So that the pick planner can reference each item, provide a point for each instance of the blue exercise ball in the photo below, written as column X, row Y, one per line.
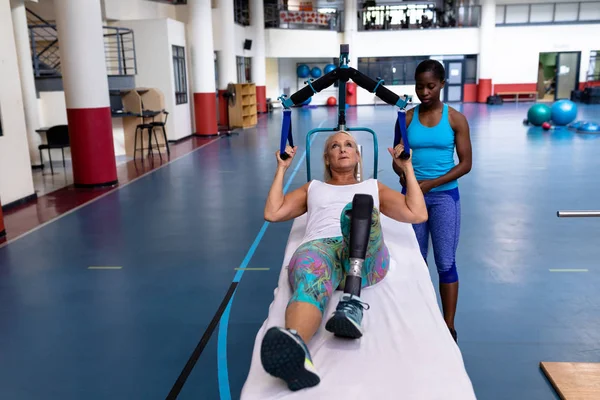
column 303, row 70
column 306, row 102
column 328, row 68
column 564, row 112
column 315, row 72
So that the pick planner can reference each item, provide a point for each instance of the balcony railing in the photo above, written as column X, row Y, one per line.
column 119, row 48
column 548, row 13
column 276, row 17
column 417, row 16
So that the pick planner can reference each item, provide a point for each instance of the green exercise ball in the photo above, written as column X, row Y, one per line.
column 538, row 114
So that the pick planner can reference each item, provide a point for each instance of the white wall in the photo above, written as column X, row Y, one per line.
column 416, row 42
column 153, row 40
column 297, row 43
column 138, row 9
column 15, row 168
column 519, row 63
column 181, row 115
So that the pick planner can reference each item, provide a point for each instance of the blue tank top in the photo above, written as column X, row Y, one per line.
column 433, row 149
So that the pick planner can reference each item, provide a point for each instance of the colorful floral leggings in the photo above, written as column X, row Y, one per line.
column 318, row 267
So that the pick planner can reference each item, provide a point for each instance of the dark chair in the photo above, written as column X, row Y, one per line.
column 162, row 124
column 141, row 128
column 57, row 137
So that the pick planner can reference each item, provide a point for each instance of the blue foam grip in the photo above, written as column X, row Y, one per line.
column 400, row 133
column 286, row 134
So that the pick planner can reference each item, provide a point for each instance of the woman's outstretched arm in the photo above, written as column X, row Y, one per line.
column 409, row 208
column 280, row 207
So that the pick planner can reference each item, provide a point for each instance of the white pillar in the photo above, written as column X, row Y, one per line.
column 30, row 103
column 350, row 28
column 259, row 65
column 203, row 67
column 85, row 81
column 486, row 49
column 226, row 59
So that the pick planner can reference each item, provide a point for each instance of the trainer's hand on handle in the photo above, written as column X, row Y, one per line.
column 399, row 161
column 291, row 152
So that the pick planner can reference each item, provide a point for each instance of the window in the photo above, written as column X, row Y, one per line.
column 401, row 70
column 393, row 70
column 244, row 70
column 181, row 96
column 241, row 12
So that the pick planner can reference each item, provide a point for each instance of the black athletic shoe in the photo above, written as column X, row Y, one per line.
column 284, row 355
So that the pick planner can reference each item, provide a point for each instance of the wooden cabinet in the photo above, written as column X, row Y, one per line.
column 243, row 111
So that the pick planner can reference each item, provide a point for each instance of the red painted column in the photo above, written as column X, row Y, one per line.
column 203, row 68
column 2, row 228
column 83, row 65
column 484, row 89
column 261, row 99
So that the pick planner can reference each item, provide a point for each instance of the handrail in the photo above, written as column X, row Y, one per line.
column 282, row 18
column 417, row 16
column 119, row 48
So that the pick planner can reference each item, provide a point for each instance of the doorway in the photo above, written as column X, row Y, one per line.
column 455, row 71
column 558, row 75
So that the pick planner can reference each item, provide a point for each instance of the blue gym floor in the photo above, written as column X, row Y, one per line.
column 179, row 233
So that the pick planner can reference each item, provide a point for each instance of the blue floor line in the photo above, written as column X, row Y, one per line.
column 222, row 368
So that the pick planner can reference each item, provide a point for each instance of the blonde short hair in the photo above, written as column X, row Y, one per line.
column 358, row 172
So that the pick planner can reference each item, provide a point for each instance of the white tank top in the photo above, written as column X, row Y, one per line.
column 325, row 205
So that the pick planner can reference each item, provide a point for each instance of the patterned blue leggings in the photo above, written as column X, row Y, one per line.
column 444, row 227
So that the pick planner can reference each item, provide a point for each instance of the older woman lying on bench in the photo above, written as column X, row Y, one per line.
column 343, row 247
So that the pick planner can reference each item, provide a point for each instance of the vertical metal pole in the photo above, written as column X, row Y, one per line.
column 34, row 54
column 119, row 53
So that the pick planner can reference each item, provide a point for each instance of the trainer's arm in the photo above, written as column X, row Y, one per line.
column 410, row 208
column 280, row 207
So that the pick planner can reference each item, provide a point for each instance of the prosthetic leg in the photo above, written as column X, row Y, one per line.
column 347, row 318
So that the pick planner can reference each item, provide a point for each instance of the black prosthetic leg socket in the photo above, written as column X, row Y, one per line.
column 360, row 225
column 360, row 229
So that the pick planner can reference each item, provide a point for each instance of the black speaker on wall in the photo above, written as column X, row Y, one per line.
column 247, row 44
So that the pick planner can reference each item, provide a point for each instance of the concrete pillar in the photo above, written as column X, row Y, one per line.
column 486, row 49
column 226, row 60
column 259, row 65
column 83, row 65
column 30, row 104
column 203, row 67
column 350, row 28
